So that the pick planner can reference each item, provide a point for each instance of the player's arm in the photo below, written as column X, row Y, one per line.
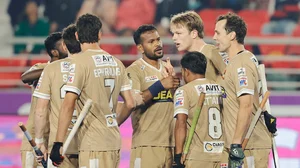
column 127, row 106
column 40, row 120
column 65, row 115
column 243, row 119
column 167, row 83
column 31, row 75
column 180, row 132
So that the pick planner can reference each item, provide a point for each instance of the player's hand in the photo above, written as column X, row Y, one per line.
column 168, row 69
column 177, row 161
column 170, row 82
column 270, row 122
column 236, row 156
column 138, row 97
column 43, row 149
column 55, row 155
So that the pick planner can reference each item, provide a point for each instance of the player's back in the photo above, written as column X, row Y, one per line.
column 96, row 75
column 215, row 63
column 207, row 143
column 51, row 86
column 242, row 78
column 153, row 124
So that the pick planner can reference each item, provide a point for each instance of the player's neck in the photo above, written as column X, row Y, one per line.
column 195, row 77
column 235, row 49
column 154, row 63
column 92, row 46
column 197, row 45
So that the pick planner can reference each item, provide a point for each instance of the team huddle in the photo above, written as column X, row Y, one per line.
column 162, row 108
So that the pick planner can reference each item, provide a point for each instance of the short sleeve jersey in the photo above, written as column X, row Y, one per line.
column 215, row 63
column 30, row 122
column 97, row 75
column 51, row 86
column 241, row 77
column 153, row 123
column 207, row 143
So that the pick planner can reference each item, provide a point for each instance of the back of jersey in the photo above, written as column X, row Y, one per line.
column 207, row 143
column 96, row 75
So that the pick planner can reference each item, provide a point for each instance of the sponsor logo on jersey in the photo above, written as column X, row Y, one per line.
column 179, row 102
column 254, row 59
column 71, row 78
column 104, row 60
column 224, row 165
column 72, row 68
column 241, row 71
column 223, row 92
column 152, row 78
column 64, row 66
column 213, row 146
column 143, row 67
column 111, row 120
column 163, row 96
column 179, row 93
column 243, row 81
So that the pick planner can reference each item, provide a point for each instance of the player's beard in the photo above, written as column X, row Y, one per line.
column 153, row 56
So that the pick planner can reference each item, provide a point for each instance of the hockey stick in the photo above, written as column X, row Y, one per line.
column 262, row 74
column 33, row 144
column 255, row 119
column 193, row 126
column 82, row 115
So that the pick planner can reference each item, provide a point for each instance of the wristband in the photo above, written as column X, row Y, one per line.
column 39, row 140
column 155, row 88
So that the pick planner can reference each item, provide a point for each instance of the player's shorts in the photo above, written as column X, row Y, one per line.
column 254, row 158
column 150, row 157
column 70, row 161
column 199, row 163
column 28, row 160
column 99, row 159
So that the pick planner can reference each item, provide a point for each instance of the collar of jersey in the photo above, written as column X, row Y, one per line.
column 150, row 66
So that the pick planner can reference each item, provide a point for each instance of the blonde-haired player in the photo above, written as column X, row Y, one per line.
column 187, row 29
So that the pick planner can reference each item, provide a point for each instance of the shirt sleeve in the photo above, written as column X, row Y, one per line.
column 125, row 79
column 42, row 89
column 133, row 77
column 244, row 78
column 181, row 102
column 76, row 78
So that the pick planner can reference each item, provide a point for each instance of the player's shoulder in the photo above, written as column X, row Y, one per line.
column 137, row 65
column 210, row 51
column 248, row 58
column 39, row 66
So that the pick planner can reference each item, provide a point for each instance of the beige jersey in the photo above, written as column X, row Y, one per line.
column 30, row 121
column 51, row 87
column 215, row 63
column 241, row 77
column 207, row 143
column 153, row 123
column 96, row 75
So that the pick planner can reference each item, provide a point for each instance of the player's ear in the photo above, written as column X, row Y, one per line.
column 232, row 35
column 76, row 35
column 99, row 35
column 55, row 53
column 140, row 48
column 194, row 34
column 64, row 46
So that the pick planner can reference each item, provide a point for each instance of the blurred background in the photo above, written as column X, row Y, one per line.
column 273, row 36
